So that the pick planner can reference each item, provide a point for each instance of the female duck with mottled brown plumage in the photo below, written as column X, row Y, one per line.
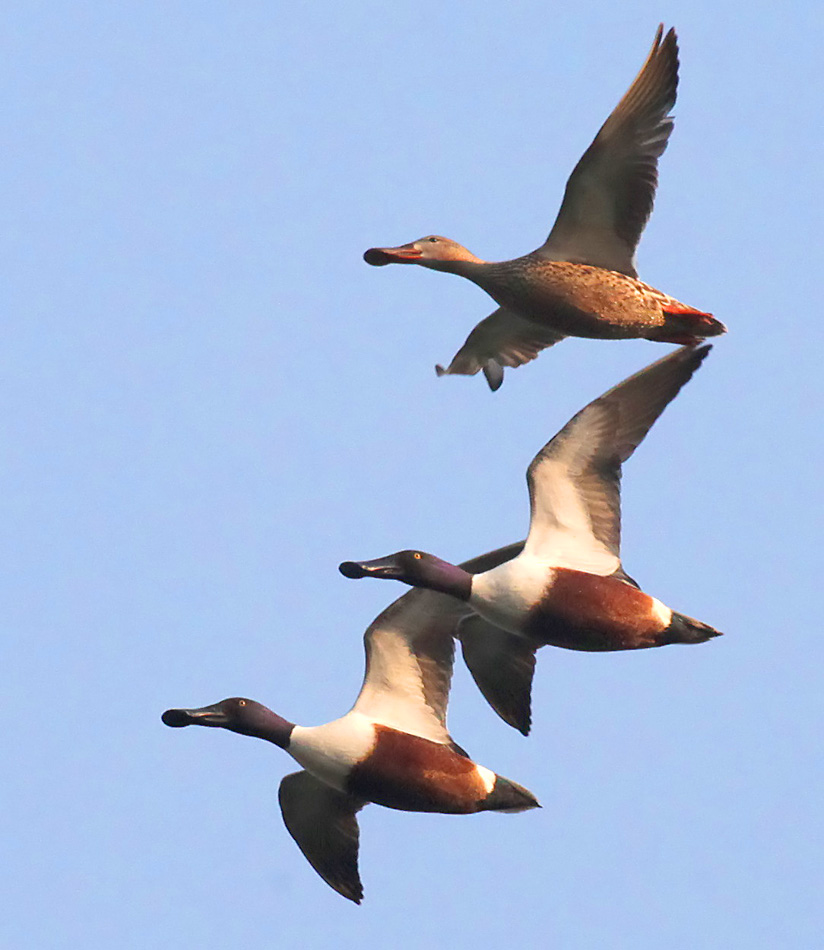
column 582, row 281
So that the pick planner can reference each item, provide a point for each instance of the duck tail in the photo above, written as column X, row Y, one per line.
column 684, row 629
column 509, row 796
column 686, row 326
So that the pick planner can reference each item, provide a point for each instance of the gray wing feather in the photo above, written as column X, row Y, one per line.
column 574, row 481
column 324, row 825
column 610, row 193
column 410, row 649
column 503, row 338
column 502, row 665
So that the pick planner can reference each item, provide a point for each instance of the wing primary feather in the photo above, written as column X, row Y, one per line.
column 610, row 194
column 501, row 339
column 323, row 823
column 502, row 665
column 410, row 650
column 574, row 481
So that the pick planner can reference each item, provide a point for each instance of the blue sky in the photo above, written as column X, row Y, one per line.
column 209, row 400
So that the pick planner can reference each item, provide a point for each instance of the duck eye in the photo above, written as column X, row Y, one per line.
column 417, row 555
column 432, row 240
column 241, row 702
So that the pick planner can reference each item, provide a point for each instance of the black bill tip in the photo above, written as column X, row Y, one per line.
column 352, row 570
column 176, row 718
column 377, row 257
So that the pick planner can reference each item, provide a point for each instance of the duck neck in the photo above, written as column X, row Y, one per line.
column 462, row 267
column 275, row 729
column 446, row 578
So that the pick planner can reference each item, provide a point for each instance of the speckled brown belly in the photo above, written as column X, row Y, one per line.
column 587, row 612
column 581, row 300
column 414, row 774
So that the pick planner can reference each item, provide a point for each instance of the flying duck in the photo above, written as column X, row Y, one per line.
column 567, row 587
column 582, row 281
column 391, row 748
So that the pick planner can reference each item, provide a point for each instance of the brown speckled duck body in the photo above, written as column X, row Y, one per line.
column 587, row 301
column 583, row 280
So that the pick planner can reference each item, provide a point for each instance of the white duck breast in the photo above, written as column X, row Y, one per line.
column 330, row 751
column 506, row 594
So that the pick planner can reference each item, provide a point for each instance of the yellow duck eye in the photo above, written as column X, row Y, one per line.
column 417, row 555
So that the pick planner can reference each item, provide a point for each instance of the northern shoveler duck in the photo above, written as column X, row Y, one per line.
column 391, row 748
column 582, row 281
column 567, row 587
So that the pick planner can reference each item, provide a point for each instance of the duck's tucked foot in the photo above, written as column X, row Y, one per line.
column 492, row 370
column 494, row 373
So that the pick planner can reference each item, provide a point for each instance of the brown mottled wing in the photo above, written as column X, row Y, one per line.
column 502, row 665
column 574, row 481
column 323, row 823
column 610, row 193
column 409, row 653
column 503, row 339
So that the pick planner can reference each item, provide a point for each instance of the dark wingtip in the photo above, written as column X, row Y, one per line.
column 176, row 718
column 502, row 665
column 352, row 890
column 352, row 570
column 439, row 370
column 517, row 714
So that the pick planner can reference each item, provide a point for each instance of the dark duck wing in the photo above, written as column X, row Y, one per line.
column 610, row 193
column 502, row 665
column 324, row 825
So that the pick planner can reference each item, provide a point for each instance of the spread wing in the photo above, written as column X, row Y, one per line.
column 323, row 823
column 574, row 481
column 409, row 653
column 610, row 193
column 502, row 665
column 502, row 339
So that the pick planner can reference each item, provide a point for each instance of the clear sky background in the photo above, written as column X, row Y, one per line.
column 209, row 400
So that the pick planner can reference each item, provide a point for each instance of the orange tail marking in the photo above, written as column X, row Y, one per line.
column 680, row 309
column 689, row 321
